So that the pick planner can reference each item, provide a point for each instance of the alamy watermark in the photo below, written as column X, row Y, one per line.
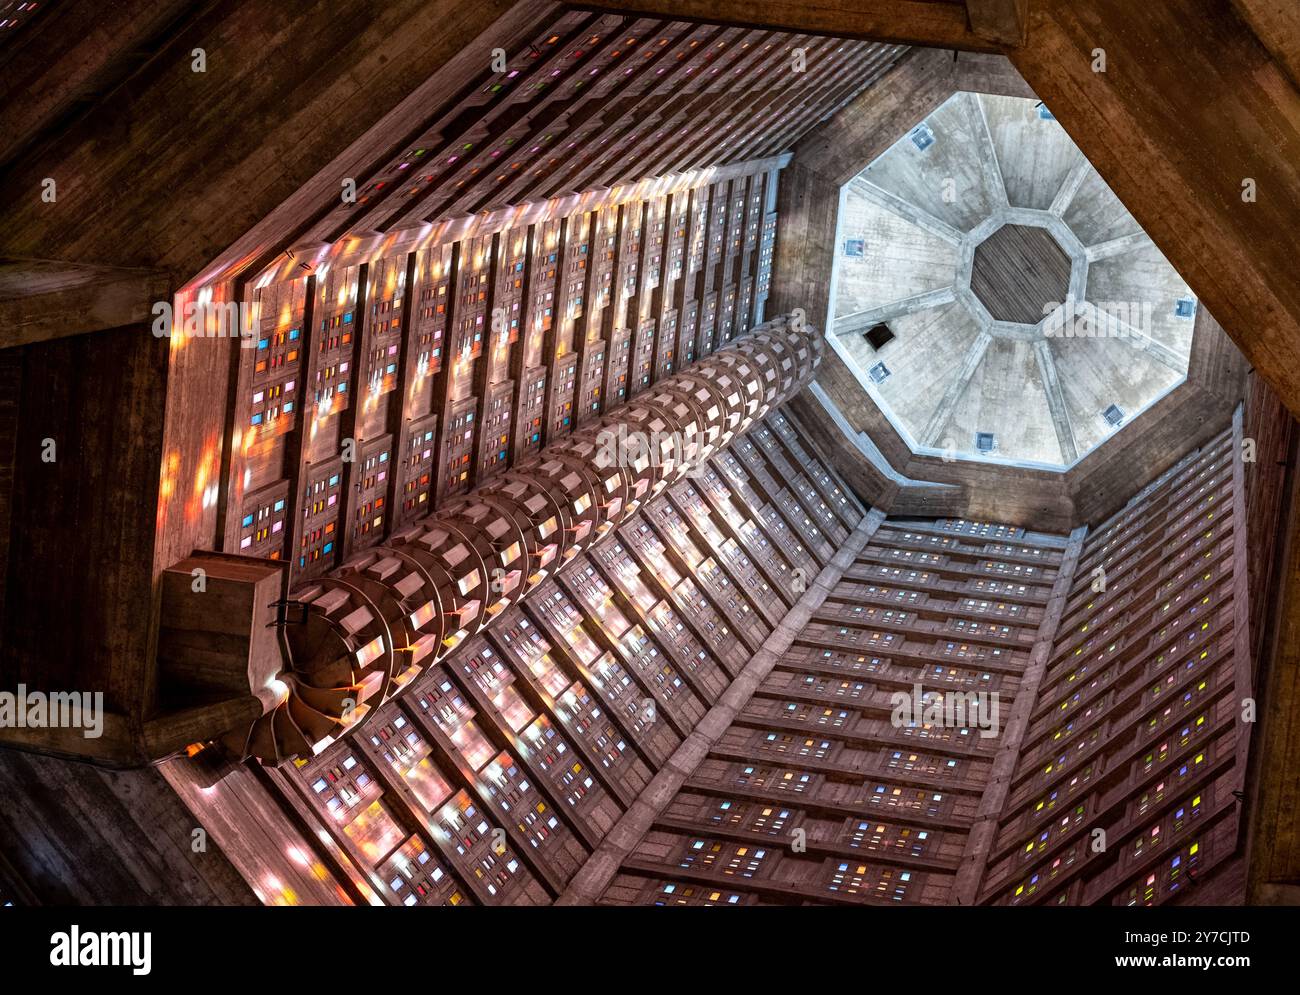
column 203, row 318
column 1097, row 320
column 25, row 709
column 622, row 448
column 947, row 710
column 102, row 949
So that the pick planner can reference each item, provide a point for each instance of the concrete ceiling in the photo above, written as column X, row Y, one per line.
column 1023, row 299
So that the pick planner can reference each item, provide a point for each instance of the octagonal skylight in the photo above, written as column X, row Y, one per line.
column 994, row 297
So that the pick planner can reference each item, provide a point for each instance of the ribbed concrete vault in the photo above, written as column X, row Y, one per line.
column 1028, row 314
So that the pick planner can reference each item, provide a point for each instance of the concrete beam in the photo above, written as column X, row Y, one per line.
column 1215, row 364
column 860, row 321
column 83, row 523
column 1273, row 865
column 1069, row 187
column 1145, row 343
column 1115, row 246
column 1003, row 21
column 74, row 51
column 906, row 209
column 43, row 299
column 1277, row 24
column 988, row 155
column 956, row 387
column 1056, row 402
column 77, row 834
column 241, row 157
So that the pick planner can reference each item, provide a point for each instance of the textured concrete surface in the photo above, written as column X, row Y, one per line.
column 1019, row 272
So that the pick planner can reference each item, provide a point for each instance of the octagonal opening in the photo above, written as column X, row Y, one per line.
column 1020, row 274
column 963, row 245
column 962, row 238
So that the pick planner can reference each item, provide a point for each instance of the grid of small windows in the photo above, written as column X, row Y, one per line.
column 319, row 546
column 336, row 327
column 457, row 448
column 262, row 525
column 561, row 412
column 371, row 482
column 531, row 411
column 276, row 359
column 417, row 466
column 1135, row 727
column 495, row 429
column 448, row 291
column 384, row 316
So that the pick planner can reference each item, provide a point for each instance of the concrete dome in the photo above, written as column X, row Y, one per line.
column 994, row 297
